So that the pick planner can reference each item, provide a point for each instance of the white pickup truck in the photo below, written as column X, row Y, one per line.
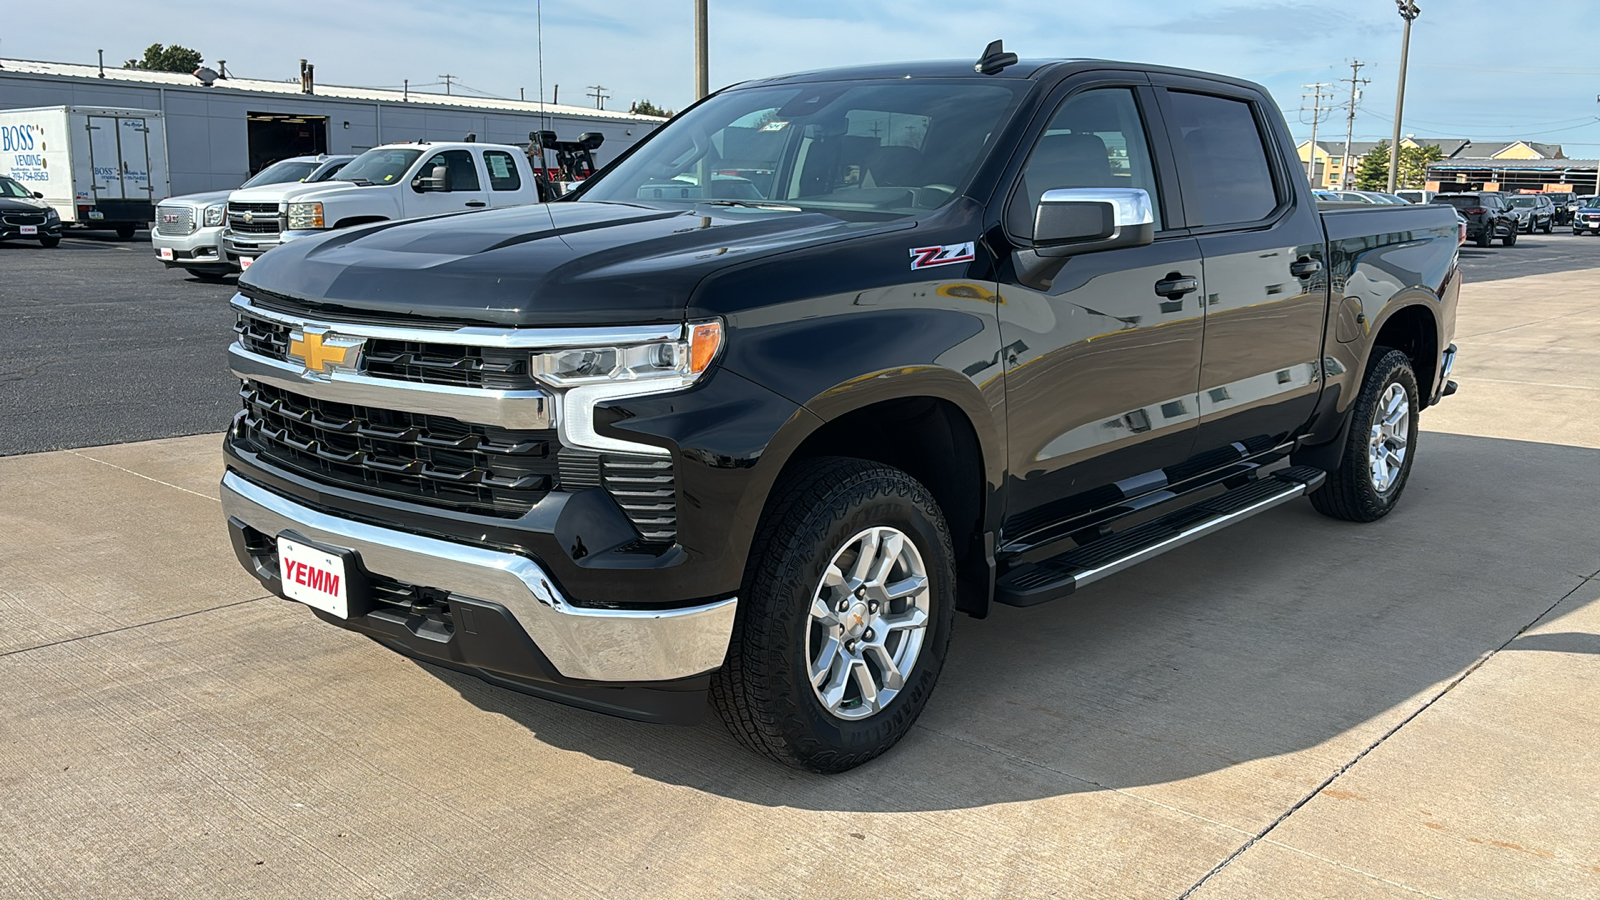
column 394, row 181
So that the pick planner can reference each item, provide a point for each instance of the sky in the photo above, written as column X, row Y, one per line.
column 1489, row 70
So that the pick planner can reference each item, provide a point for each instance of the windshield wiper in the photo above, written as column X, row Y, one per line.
column 746, row 204
column 357, row 181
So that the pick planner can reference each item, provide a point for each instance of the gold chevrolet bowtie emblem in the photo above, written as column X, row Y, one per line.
column 322, row 352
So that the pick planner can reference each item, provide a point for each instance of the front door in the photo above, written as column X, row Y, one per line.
column 465, row 183
column 1101, row 370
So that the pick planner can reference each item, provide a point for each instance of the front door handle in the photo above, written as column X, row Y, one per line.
column 1304, row 267
column 1175, row 285
column 476, row 203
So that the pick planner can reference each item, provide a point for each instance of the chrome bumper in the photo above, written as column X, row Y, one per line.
column 583, row 644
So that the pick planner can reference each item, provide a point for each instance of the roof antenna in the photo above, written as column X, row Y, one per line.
column 994, row 59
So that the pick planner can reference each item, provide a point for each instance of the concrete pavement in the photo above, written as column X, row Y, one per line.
column 1293, row 707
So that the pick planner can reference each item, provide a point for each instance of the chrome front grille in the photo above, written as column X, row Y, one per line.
column 25, row 219
column 175, row 220
column 445, row 453
column 254, row 218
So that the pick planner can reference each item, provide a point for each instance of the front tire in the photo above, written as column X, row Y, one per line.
column 1510, row 240
column 1381, row 446
column 209, row 277
column 49, row 242
column 125, row 231
column 844, row 616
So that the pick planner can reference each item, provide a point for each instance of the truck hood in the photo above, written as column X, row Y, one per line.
column 198, row 201
column 295, row 190
column 575, row 263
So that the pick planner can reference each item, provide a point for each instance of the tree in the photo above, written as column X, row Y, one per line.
column 646, row 108
column 1414, row 162
column 1372, row 173
column 167, row 59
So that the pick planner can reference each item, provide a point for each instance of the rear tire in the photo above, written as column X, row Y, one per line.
column 1485, row 236
column 793, row 646
column 125, row 231
column 1380, row 447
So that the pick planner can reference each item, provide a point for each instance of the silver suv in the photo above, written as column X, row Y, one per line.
column 188, row 229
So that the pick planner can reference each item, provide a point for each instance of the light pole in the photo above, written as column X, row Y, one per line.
column 1408, row 11
column 702, row 70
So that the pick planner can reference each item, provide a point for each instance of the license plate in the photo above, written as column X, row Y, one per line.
column 166, row 252
column 29, row 229
column 245, row 261
column 314, row 577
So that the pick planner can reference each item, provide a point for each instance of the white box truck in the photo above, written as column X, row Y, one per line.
column 98, row 167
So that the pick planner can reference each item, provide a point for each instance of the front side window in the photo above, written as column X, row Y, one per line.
column 1095, row 140
column 503, row 174
column 867, row 149
column 1229, row 173
column 463, row 174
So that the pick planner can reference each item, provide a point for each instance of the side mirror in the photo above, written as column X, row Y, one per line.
column 1070, row 221
column 38, row 195
column 1080, row 220
column 437, row 179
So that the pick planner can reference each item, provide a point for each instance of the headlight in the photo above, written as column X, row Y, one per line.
column 585, row 376
column 214, row 215
column 50, row 215
column 305, row 215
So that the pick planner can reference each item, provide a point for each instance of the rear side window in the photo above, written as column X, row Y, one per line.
column 1228, row 169
column 503, row 175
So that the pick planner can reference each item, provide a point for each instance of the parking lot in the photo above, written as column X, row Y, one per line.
column 1291, row 707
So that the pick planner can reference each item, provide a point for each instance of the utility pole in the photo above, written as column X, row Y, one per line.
column 447, row 79
column 1317, row 109
column 1408, row 11
column 1356, row 81
column 702, row 71
column 598, row 92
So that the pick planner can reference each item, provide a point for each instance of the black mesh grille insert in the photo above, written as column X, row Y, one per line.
column 425, row 459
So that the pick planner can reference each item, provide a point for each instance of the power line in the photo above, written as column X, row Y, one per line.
column 1316, row 109
column 447, row 79
column 1356, row 81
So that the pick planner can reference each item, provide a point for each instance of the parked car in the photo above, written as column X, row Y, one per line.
column 1488, row 214
column 394, row 181
column 25, row 214
column 1565, row 205
column 1415, row 196
column 1535, row 211
column 1587, row 217
column 1461, row 222
column 188, row 232
column 624, row 450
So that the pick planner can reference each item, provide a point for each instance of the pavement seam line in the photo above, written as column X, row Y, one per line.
column 1349, row 868
column 142, row 475
column 83, row 637
column 1095, row 784
column 1262, row 834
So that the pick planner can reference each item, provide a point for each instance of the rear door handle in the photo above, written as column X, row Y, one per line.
column 1175, row 285
column 476, row 203
column 1304, row 268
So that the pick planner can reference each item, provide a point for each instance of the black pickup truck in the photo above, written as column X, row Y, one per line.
column 825, row 360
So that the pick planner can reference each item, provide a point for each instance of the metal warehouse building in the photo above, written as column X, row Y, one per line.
column 218, row 136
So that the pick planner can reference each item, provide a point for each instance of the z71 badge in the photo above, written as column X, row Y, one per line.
column 944, row 255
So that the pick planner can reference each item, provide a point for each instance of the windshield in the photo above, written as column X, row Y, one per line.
column 282, row 173
column 856, row 148
column 1460, row 201
column 1524, row 201
column 9, row 188
column 380, row 165
column 327, row 173
column 1589, row 202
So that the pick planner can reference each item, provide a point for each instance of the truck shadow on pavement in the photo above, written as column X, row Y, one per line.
column 1283, row 634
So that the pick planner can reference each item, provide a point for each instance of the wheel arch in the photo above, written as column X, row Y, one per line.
column 1413, row 329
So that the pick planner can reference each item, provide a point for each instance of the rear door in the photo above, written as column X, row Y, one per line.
column 505, row 178
column 1262, row 241
column 1101, row 369
column 105, row 159
column 133, row 144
